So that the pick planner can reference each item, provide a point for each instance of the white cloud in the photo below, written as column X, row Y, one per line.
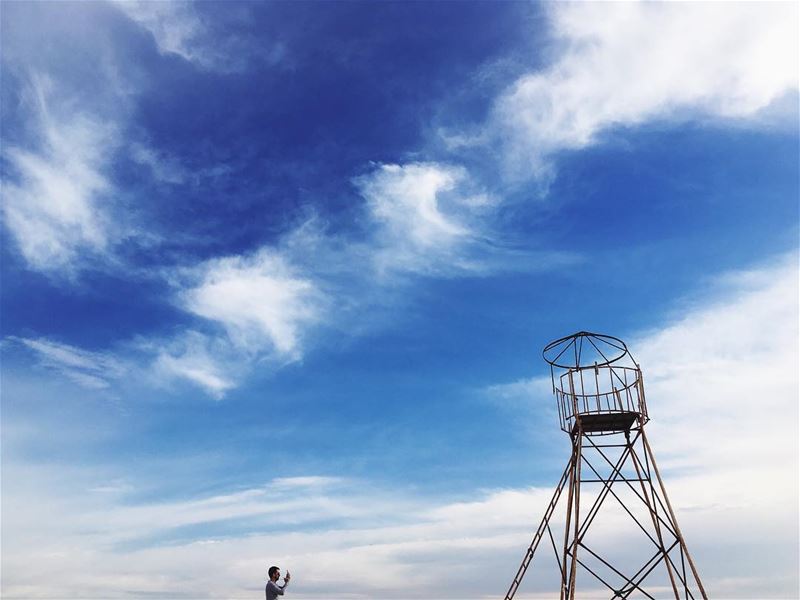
column 55, row 200
column 426, row 217
column 179, row 28
column 208, row 362
column 93, row 370
column 405, row 200
column 305, row 482
column 61, row 202
column 259, row 300
column 258, row 309
column 175, row 26
column 723, row 374
column 196, row 358
column 164, row 168
column 621, row 64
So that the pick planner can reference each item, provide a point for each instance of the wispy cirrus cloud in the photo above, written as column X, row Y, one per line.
column 69, row 125
column 208, row 362
column 180, row 28
column 74, row 129
column 326, row 530
column 519, row 394
column 163, row 167
column 202, row 360
column 56, row 194
column 94, row 370
column 426, row 217
column 415, row 219
column 624, row 64
column 175, row 26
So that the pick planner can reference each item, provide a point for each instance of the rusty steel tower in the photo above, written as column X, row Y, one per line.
column 619, row 536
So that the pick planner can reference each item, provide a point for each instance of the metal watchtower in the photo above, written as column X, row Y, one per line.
column 601, row 405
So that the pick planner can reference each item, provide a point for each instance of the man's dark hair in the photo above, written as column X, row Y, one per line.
column 271, row 571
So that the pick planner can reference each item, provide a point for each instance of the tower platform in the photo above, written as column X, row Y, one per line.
column 606, row 422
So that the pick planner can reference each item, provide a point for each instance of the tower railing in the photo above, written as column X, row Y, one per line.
column 599, row 390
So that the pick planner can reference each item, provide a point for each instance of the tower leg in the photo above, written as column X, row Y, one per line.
column 650, row 502
column 573, row 483
column 576, row 537
column 526, row 561
column 678, row 533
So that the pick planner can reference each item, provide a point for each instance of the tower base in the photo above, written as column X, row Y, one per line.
column 636, row 550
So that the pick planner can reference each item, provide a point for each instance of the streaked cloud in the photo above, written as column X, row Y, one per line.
column 175, row 26
column 306, row 482
column 181, row 29
column 519, row 394
column 163, row 167
column 625, row 64
column 62, row 203
column 722, row 384
column 201, row 360
column 94, row 370
column 56, row 197
column 325, row 530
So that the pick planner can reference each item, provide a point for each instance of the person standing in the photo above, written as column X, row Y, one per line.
column 274, row 590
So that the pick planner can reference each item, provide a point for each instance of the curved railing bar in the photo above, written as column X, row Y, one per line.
column 624, row 384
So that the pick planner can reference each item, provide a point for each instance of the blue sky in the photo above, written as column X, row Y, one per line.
column 276, row 278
